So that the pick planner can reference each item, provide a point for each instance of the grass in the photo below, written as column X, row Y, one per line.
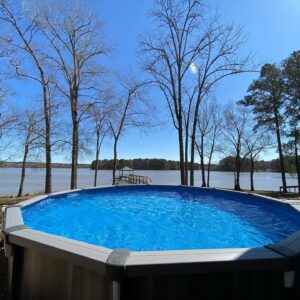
column 10, row 200
column 277, row 194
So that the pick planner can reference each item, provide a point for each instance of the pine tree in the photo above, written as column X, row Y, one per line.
column 266, row 96
column 291, row 72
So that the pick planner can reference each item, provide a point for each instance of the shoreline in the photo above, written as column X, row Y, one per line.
column 34, row 180
column 154, row 170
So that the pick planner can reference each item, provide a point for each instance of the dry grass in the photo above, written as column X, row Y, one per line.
column 10, row 200
column 278, row 195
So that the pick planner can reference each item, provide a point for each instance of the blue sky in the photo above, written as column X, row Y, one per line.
column 271, row 26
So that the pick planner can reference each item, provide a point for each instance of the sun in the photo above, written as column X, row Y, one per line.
column 193, row 68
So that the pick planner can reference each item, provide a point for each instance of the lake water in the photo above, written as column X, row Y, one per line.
column 34, row 181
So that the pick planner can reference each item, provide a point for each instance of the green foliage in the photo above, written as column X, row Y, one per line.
column 226, row 164
column 291, row 71
column 139, row 164
column 266, row 96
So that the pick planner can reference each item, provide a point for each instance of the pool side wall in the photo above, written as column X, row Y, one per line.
column 45, row 266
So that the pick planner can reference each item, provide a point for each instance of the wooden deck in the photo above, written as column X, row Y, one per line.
column 290, row 189
column 121, row 182
column 133, row 179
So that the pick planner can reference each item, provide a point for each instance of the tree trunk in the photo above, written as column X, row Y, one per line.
column 208, row 174
column 181, row 156
column 209, row 162
column 180, row 123
column 97, row 157
column 192, row 160
column 251, row 172
column 202, row 162
column 237, row 186
column 281, row 158
column 74, row 156
column 234, row 178
column 115, row 162
column 48, row 177
column 26, row 149
column 75, row 135
column 297, row 160
column 193, row 141
column 23, row 168
column 186, row 163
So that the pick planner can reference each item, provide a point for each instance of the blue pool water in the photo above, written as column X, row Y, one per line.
column 145, row 218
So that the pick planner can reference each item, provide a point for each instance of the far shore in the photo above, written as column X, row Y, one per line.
column 86, row 166
column 30, row 165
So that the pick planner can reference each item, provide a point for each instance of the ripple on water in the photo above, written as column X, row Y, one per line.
column 164, row 218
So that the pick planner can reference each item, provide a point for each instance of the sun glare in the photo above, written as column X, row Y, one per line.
column 193, row 68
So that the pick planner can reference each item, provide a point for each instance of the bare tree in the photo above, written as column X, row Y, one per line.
column 189, row 52
column 235, row 128
column 187, row 119
column 100, row 117
column 77, row 42
column 217, row 60
column 209, row 130
column 214, row 140
column 131, row 110
column 7, row 124
column 29, row 124
column 23, row 38
column 257, row 141
column 168, row 56
column 7, row 115
column 204, row 128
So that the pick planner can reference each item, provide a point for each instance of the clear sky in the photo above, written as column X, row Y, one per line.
column 271, row 26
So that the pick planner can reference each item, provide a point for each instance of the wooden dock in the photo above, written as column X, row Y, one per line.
column 133, row 179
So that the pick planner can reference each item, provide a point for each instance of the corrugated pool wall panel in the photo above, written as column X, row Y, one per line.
column 49, row 278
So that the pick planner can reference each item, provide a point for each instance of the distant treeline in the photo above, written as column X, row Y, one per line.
column 226, row 164
column 139, row 164
column 38, row 165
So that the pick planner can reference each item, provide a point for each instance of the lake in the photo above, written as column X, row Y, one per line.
column 34, row 181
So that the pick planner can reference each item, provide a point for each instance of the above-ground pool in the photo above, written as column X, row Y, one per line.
column 147, row 218
column 154, row 243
